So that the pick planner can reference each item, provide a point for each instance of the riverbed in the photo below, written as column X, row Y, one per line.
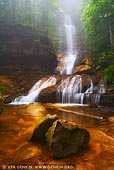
column 17, row 123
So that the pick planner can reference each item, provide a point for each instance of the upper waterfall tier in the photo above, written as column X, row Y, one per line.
column 68, row 56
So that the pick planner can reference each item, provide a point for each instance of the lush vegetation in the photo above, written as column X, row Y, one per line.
column 98, row 26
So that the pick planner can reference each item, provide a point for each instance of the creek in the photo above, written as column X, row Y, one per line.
column 17, row 124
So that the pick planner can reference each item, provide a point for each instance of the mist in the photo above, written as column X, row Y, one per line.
column 72, row 8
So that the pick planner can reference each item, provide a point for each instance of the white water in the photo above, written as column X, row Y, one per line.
column 92, row 97
column 70, row 90
column 68, row 60
column 70, row 34
column 35, row 91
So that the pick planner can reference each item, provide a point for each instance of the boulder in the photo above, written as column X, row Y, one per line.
column 65, row 138
column 42, row 126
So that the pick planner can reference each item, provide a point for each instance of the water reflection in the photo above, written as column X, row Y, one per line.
column 17, row 124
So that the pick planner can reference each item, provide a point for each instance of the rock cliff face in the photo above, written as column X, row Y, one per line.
column 22, row 45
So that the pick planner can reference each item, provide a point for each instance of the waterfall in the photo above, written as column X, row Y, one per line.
column 90, row 89
column 67, row 60
column 35, row 91
column 70, row 33
column 94, row 97
column 68, row 88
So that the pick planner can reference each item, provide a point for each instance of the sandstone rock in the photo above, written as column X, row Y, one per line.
column 43, row 125
column 111, row 119
column 65, row 138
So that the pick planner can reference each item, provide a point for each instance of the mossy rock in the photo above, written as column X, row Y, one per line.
column 42, row 126
column 65, row 138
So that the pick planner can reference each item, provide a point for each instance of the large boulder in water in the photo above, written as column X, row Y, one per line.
column 65, row 138
column 42, row 126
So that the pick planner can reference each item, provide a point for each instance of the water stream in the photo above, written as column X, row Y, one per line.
column 34, row 91
column 68, row 90
column 17, row 126
column 68, row 58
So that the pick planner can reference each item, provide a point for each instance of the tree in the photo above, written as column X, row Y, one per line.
column 98, row 26
column 27, row 4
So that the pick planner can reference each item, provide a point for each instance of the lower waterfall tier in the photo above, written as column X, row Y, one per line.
column 78, row 89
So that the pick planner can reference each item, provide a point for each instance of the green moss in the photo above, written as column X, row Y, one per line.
column 109, row 74
column 42, row 126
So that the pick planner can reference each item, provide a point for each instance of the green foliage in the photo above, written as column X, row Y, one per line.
column 109, row 74
column 97, row 19
column 105, row 59
column 106, row 62
column 98, row 35
column 3, row 88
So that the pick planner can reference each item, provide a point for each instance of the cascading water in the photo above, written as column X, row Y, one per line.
column 35, row 91
column 68, row 90
column 71, row 90
column 68, row 59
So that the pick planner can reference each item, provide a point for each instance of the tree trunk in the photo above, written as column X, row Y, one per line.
column 19, row 4
column 111, row 37
column 14, row 10
column 3, row 4
column 27, row 4
column 45, row 19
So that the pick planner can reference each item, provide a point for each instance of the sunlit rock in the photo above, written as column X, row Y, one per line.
column 111, row 119
column 42, row 126
column 81, row 69
column 65, row 138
